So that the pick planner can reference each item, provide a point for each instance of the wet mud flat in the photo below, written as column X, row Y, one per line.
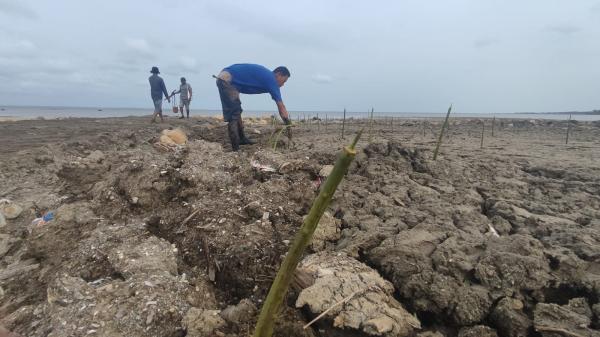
column 499, row 239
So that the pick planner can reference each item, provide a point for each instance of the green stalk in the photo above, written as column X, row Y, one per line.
column 278, row 135
column 268, row 313
column 439, row 142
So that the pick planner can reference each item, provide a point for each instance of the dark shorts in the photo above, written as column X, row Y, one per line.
column 230, row 100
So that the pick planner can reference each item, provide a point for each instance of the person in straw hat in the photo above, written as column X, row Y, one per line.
column 157, row 89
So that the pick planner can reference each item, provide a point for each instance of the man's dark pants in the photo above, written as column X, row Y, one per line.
column 232, row 112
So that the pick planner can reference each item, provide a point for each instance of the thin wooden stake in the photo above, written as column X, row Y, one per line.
column 482, row 133
column 318, row 123
column 439, row 142
column 568, row 129
column 371, row 126
column 343, row 123
column 493, row 124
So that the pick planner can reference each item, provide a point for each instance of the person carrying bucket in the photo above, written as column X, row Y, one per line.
column 185, row 97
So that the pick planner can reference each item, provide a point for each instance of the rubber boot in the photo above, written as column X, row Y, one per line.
column 234, row 134
column 243, row 139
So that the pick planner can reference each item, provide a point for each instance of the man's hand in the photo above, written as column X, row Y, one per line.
column 169, row 99
column 282, row 111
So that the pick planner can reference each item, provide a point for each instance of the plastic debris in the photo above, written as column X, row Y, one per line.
column 264, row 168
column 49, row 216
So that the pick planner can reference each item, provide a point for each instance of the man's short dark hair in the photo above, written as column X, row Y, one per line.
column 283, row 71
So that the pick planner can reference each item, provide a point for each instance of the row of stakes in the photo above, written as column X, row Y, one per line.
column 371, row 121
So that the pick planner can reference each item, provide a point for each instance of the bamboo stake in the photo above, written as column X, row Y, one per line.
column 439, row 142
column 482, row 133
column 371, row 126
column 568, row 129
column 493, row 124
column 343, row 123
column 318, row 123
column 325, row 122
column 267, row 317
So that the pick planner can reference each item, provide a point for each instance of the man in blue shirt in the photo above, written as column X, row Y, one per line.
column 248, row 79
column 157, row 89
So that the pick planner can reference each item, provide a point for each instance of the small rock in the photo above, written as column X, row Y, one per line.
column 379, row 326
column 326, row 171
column 240, row 313
column 202, row 323
column 135, row 200
column 96, row 156
column 253, row 210
column 509, row 318
column 328, row 230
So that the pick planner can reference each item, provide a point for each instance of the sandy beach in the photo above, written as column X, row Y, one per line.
column 494, row 238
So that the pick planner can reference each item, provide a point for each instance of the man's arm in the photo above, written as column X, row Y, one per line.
column 190, row 91
column 175, row 93
column 164, row 89
column 283, row 112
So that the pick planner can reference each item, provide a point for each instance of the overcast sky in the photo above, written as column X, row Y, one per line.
column 411, row 56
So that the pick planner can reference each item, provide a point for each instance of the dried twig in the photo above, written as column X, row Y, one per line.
column 186, row 220
column 345, row 300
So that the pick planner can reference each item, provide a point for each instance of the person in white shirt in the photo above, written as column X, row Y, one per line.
column 185, row 97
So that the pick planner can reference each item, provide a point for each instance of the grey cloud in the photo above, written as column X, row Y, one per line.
column 18, row 48
column 134, row 52
column 485, row 42
column 322, row 78
column 17, row 8
column 185, row 65
column 565, row 29
column 316, row 34
column 138, row 47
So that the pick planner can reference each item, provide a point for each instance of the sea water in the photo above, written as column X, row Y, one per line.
column 29, row 112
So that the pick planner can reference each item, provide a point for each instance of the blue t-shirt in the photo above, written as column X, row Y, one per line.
column 254, row 79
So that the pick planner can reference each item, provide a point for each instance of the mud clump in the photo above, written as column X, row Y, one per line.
column 355, row 295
